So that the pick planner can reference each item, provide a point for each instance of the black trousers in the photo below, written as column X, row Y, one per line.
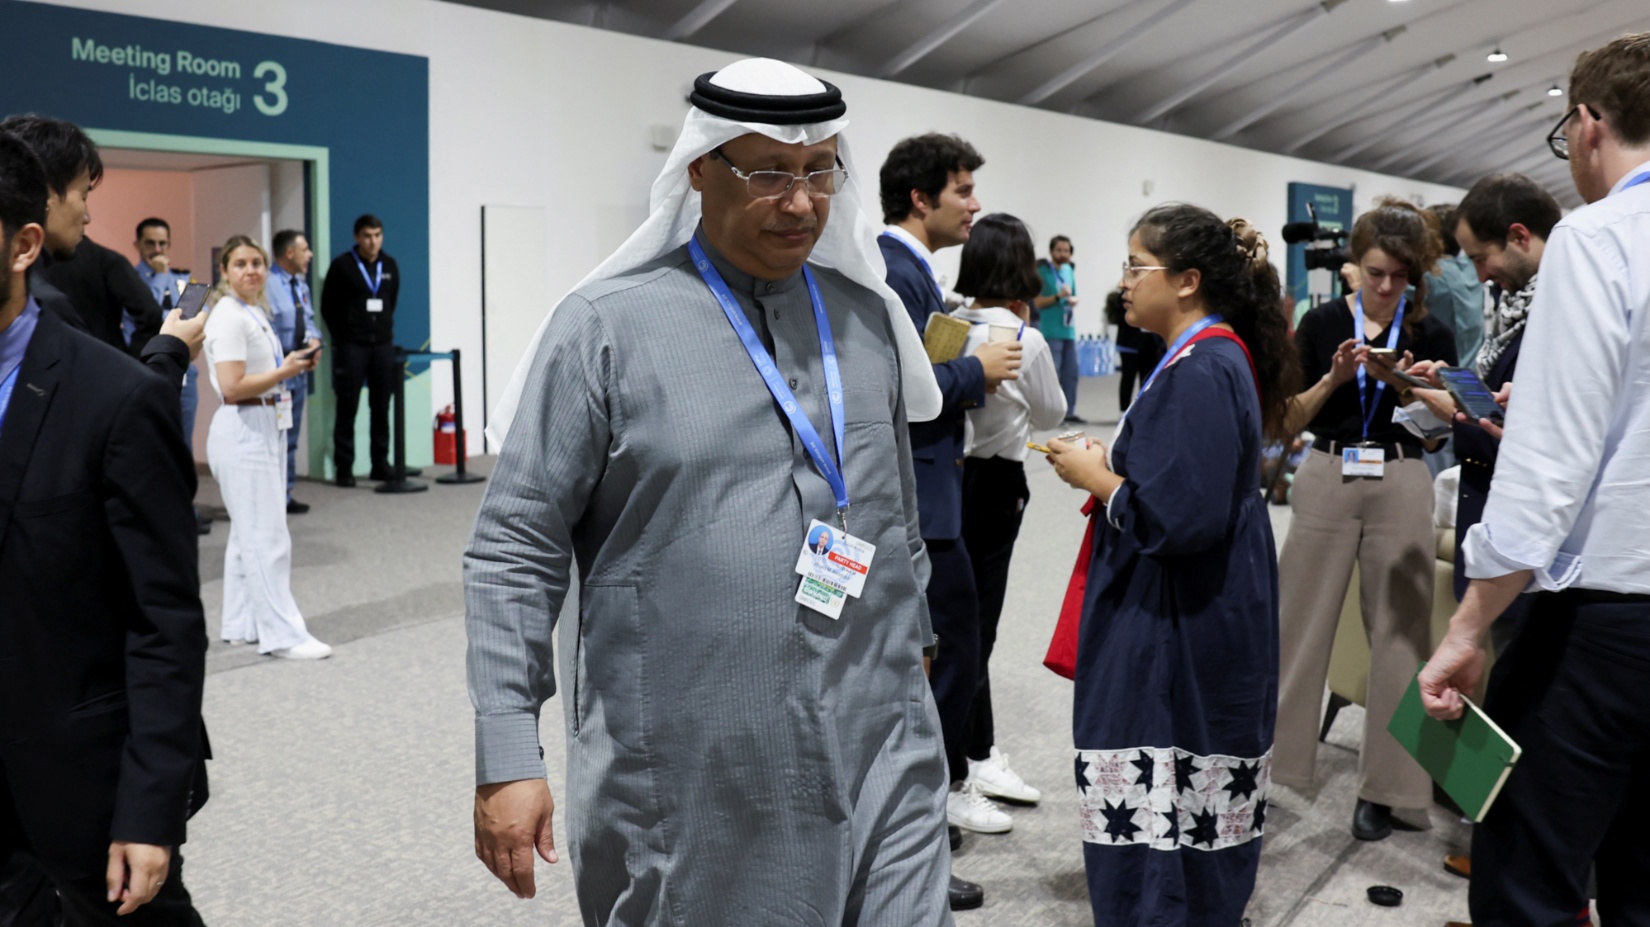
column 30, row 896
column 352, row 366
column 1580, row 794
column 994, row 503
column 954, row 611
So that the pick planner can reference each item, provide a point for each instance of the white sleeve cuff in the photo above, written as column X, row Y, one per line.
column 1116, row 519
column 1488, row 557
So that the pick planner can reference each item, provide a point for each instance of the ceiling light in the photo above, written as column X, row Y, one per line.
column 1496, row 56
column 1555, row 91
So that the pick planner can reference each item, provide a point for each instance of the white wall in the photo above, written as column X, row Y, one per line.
column 525, row 112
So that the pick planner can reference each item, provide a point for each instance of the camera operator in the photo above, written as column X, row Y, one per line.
column 1362, row 496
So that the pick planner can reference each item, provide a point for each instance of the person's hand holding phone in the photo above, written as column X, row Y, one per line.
column 299, row 362
column 1492, row 428
column 192, row 332
column 1381, row 365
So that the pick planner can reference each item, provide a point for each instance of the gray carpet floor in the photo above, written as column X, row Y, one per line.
column 342, row 789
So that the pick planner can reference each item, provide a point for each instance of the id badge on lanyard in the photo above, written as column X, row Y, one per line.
column 833, row 563
column 1366, row 459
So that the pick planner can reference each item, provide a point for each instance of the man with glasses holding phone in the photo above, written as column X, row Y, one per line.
column 750, row 738
column 1565, row 518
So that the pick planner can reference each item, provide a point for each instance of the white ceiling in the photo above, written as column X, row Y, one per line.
column 1398, row 86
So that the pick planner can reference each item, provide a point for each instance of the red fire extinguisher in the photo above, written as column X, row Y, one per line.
column 446, row 437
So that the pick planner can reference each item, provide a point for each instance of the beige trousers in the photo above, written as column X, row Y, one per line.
column 1385, row 525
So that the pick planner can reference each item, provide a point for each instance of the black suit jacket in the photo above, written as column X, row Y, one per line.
column 102, row 636
column 104, row 286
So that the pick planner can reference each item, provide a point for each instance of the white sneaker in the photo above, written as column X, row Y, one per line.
column 995, row 779
column 968, row 809
column 311, row 649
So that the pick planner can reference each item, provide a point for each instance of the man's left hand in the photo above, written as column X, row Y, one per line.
column 135, row 874
column 1453, row 672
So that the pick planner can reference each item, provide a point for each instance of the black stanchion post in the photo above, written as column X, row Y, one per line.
column 459, row 475
column 400, row 484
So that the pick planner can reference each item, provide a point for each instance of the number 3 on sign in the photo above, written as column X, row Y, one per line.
column 276, row 86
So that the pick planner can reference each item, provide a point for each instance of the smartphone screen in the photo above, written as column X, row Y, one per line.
column 1470, row 393
column 193, row 298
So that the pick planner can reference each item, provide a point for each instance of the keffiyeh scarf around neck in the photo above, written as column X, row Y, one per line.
column 1504, row 324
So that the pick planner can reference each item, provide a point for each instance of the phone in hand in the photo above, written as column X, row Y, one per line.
column 1470, row 394
column 1384, row 352
column 193, row 299
column 310, row 354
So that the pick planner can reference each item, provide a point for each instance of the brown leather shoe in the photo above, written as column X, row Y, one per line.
column 1457, row 924
column 1459, row 864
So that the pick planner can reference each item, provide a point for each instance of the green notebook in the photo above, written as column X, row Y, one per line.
column 1469, row 757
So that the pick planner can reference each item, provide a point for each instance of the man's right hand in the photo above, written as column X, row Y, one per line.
column 192, row 332
column 160, row 263
column 513, row 819
column 1001, row 361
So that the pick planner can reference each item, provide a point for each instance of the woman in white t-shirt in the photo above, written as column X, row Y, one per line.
column 246, row 448
column 999, row 273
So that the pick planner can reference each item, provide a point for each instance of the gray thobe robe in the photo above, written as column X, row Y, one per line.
column 733, row 757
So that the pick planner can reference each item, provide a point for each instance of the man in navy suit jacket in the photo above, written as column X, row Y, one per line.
column 928, row 203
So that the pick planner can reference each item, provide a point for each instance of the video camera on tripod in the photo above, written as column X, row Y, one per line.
column 1325, row 247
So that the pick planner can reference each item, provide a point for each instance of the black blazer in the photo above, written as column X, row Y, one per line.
column 102, row 636
column 104, row 286
column 1477, row 453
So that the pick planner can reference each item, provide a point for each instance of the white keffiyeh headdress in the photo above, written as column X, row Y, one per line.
column 766, row 97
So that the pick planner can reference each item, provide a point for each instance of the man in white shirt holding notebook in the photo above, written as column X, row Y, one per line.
column 1567, row 516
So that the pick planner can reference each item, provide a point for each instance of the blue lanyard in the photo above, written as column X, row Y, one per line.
column 377, row 267
column 254, row 316
column 1368, row 408
column 940, row 294
column 1642, row 178
column 6, row 386
column 1180, row 345
column 776, row 384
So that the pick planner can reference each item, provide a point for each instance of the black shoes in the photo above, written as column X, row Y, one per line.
column 344, row 481
column 386, row 474
column 955, row 833
column 294, row 507
column 965, row 896
column 1076, row 420
column 203, row 524
column 1375, row 822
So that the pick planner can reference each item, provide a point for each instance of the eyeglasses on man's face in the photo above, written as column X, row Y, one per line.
column 772, row 185
column 1557, row 140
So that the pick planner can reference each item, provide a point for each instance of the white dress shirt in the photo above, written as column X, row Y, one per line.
column 1002, row 426
column 1571, row 496
column 910, row 241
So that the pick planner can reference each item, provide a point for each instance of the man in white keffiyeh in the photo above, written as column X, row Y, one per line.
column 735, row 374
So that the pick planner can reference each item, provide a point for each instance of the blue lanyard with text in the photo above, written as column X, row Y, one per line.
column 920, row 260
column 1364, row 405
column 6, row 387
column 377, row 267
column 1180, row 345
column 254, row 315
column 1642, row 178
column 821, row 455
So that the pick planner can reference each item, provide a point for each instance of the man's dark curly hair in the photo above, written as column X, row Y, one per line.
column 923, row 163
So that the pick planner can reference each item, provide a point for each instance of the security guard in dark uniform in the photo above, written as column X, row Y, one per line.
column 358, row 305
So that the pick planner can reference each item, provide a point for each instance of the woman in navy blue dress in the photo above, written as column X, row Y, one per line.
column 1177, row 657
